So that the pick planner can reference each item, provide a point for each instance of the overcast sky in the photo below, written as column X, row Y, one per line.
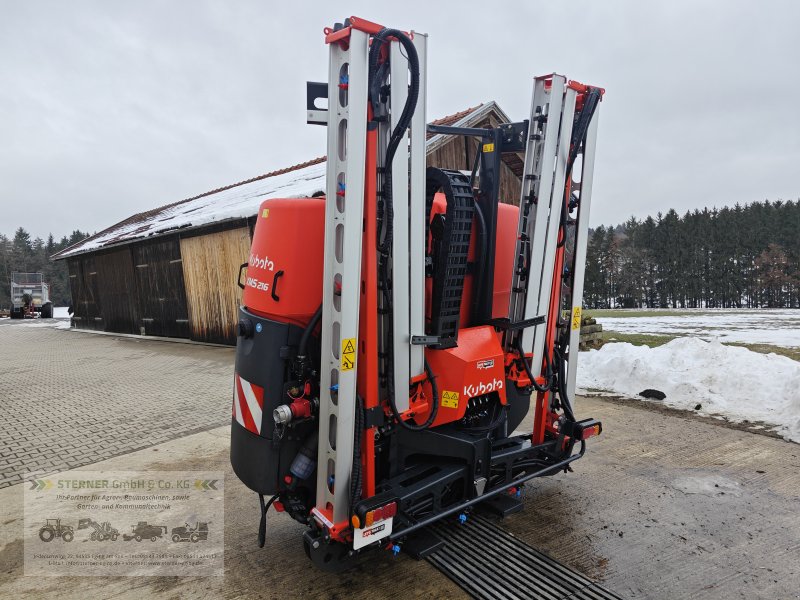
column 111, row 108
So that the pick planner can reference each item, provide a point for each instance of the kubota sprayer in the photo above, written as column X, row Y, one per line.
column 395, row 333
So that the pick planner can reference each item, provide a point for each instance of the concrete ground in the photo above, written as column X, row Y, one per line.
column 661, row 506
column 71, row 399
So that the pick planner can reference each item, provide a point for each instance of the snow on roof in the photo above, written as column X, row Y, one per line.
column 241, row 200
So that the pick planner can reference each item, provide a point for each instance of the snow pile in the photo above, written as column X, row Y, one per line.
column 54, row 323
column 60, row 312
column 725, row 380
column 749, row 326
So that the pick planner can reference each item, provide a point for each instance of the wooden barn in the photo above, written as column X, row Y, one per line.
column 172, row 271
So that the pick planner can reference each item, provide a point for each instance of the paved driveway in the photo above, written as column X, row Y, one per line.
column 663, row 505
column 71, row 398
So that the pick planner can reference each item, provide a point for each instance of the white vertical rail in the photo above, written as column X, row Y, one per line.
column 551, row 102
column 581, row 241
column 400, row 201
column 347, row 124
column 522, row 287
column 555, row 201
column 416, row 255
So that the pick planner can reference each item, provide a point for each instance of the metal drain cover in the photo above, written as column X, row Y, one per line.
column 488, row 563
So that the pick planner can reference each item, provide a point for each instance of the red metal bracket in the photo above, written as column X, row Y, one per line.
column 343, row 34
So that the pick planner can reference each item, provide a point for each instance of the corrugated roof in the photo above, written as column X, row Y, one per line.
column 242, row 199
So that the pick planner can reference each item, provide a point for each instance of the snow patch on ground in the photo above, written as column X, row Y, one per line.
column 734, row 382
column 54, row 323
column 780, row 327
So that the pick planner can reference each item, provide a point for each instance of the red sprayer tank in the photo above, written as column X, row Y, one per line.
column 284, row 272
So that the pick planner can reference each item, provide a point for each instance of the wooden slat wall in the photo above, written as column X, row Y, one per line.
column 160, row 288
column 84, row 289
column 210, row 267
column 117, row 288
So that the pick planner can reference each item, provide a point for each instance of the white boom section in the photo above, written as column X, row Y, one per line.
column 556, row 200
column 417, row 241
column 408, row 198
column 584, row 192
column 347, row 129
column 400, row 246
column 543, row 181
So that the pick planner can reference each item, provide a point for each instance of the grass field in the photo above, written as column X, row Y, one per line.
column 758, row 330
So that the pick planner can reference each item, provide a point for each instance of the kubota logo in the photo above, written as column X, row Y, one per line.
column 261, row 263
column 479, row 389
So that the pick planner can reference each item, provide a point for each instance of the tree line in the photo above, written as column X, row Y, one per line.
column 740, row 257
column 22, row 254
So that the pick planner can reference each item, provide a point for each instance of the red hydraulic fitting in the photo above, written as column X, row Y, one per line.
column 301, row 408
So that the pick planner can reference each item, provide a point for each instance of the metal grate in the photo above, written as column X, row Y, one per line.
column 488, row 562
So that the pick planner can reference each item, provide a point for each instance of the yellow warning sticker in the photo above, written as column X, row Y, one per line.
column 488, row 148
column 348, row 354
column 449, row 399
column 265, row 213
column 576, row 317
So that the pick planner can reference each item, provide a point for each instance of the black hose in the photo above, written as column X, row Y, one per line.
column 381, row 38
column 566, row 404
column 481, row 259
column 579, row 132
column 434, row 408
column 356, row 478
column 386, row 216
column 548, row 373
column 301, row 348
column 494, row 424
column 262, row 526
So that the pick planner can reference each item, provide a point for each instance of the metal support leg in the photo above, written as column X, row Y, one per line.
column 347, row 125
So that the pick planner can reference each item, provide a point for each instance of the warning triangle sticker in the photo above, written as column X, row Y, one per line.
column 348, row 347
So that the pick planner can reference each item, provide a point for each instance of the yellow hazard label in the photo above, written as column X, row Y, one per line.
column 348, row 354
column 488, row 148
column 576, row 317
column 265, row 213
column 449, row 399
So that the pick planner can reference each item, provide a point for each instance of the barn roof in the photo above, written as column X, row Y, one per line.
column 242, row 199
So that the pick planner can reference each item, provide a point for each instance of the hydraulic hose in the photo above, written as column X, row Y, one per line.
column 376, row 74
column 357, row 476
column 578, row 140
column 481, row 257
column 262, row 526
column 381, row 38
column 303, row 345
column 566, row 404
column 548, row 369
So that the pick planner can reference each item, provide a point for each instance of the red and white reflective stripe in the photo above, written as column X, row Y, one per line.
column 248, row 404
